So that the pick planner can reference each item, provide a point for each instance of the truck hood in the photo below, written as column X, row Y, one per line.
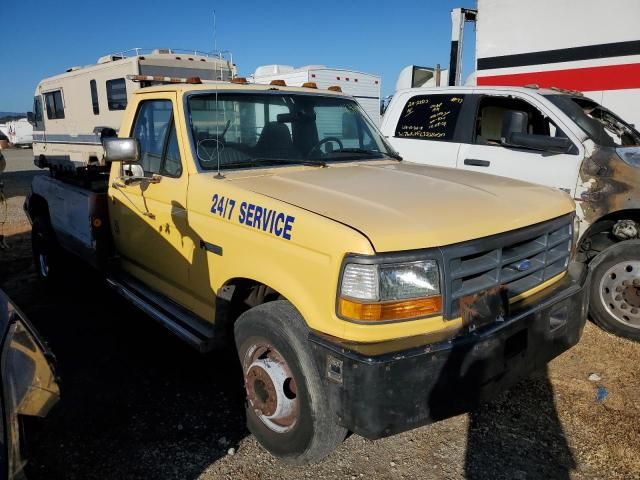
column 403, row 206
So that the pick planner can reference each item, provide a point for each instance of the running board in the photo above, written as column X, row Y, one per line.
column 191, row 329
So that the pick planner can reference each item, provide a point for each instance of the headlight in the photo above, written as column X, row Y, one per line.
column 629, row 155
column 387, row 292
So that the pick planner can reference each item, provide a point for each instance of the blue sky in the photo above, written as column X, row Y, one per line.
column 42, row 39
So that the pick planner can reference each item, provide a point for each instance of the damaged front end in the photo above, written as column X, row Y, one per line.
column 609, row 195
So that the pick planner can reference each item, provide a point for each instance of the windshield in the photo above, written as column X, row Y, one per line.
column 249, row 129
column 603, row 126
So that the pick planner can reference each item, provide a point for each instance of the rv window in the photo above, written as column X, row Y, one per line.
column 54, row 105
column 117, row 94
column 156, row 133
column 430, row 117
column 94, row 97
column 37, row 114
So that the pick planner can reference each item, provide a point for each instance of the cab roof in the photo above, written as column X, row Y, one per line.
column 249, row 87
column 493, row 88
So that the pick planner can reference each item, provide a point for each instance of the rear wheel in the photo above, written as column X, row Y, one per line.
column 287, row 406
column 615, row 291
column 46, row 252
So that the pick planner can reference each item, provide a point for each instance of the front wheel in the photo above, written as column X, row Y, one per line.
column 615, row 291
column 287, row 406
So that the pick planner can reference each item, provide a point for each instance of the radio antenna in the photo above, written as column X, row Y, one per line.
column 219, row 175
column 215, row 33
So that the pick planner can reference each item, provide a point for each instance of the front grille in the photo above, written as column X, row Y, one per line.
column 518, row 261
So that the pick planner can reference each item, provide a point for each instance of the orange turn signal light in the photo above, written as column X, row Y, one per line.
column 389, row 311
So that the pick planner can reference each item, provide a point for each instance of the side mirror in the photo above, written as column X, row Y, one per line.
column 121, row 150
column 515, row 134
column 542, row 143
column 514, row 121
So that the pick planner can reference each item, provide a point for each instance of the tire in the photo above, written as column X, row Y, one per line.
column 46, row 252
column 290, row 416
column 615, row 291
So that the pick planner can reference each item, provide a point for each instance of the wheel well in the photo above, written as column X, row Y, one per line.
column 599, row 237
column 233, row 299
column 38, row 206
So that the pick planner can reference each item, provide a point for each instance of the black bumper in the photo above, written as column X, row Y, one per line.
column 386, row 388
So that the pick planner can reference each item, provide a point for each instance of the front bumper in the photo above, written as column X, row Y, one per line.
column 386, row 388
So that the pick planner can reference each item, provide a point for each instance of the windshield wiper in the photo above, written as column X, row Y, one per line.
column 364, row 151
column 263, row 160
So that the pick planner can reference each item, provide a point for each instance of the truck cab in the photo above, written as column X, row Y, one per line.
column 551, row 137
column 362, row 293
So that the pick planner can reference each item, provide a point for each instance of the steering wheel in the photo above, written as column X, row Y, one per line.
column 322, row 142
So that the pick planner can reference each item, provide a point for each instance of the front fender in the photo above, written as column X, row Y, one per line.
column 613, row 250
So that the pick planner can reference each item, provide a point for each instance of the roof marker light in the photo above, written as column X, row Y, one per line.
column 335, row 88
column 310, row 85
column 239, row 80
column 278, row 83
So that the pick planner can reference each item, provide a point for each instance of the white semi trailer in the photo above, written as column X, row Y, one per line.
column 589, row 46
column 364, row 87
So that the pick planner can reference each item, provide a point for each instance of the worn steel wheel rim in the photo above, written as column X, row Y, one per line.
column 270, row 386
column 620, row 292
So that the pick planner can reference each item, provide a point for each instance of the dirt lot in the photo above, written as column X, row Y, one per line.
column 137, row 403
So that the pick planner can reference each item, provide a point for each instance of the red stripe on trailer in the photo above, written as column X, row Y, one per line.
column 610, row 77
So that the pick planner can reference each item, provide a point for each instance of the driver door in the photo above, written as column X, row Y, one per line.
column 486, row 154
column 149, row 215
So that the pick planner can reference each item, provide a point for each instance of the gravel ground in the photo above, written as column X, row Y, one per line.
column 137, row 403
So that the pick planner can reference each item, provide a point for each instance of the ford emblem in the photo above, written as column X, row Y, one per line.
column 523, row 265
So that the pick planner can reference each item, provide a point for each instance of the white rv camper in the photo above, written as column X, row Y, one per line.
column 75, row 110
column 364, row 87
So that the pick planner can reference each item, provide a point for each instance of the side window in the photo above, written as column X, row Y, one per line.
column 430, row 117
column 155, row 130
column 172, row 165
column 117, row 94
column 54, row 105
column 37, row 114
column 490, row 116
column 94, row 97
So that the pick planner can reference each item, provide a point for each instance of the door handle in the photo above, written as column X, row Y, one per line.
column 476, row 163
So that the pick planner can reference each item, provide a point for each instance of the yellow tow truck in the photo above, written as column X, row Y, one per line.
column 362, row 293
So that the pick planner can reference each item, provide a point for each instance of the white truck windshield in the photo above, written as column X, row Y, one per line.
column 242, row 130
column 603, row 126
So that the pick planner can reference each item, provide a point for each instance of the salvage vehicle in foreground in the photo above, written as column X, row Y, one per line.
column 362, row 293
column 29, row 384
column 551, row 137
